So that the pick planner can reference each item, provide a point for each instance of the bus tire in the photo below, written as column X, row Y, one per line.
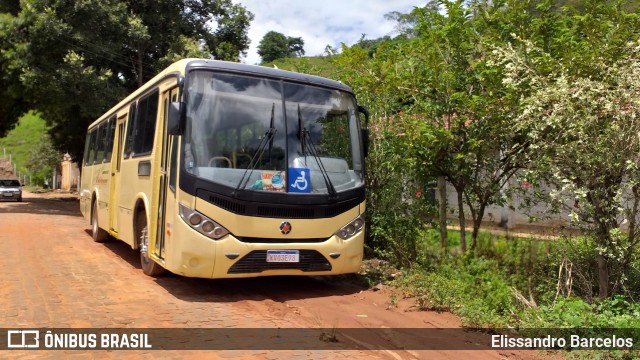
column 149, row 266
column 97, row 233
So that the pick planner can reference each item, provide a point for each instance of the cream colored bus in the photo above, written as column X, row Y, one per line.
column 215, row 169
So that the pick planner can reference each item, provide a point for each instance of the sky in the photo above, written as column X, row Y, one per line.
column 322, row 23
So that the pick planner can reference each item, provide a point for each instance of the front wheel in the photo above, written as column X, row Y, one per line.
column 149, row 267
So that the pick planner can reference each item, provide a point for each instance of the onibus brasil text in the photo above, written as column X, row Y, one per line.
column 36, row 339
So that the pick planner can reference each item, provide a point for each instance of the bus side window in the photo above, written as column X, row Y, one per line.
column 146, row 124
column 130, row 125
column 90, row 147
column 99, row 144
column 173, row 166
column 120, row 145
column 109, row 136
column 87, row 140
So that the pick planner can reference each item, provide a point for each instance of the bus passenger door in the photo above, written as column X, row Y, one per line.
column 163, row 191
column 114, row 207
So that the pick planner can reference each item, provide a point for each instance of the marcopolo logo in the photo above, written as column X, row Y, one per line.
column 23, row 339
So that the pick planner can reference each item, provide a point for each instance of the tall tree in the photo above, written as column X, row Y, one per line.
column 580, row 111
column 71, row 61
column 465, row 131
column 275, row 45
column 296, row 46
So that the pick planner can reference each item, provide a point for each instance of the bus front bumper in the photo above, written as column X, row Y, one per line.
column 229, row 257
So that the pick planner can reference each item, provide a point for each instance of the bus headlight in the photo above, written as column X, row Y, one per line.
column 201, row 223
column 352, row 228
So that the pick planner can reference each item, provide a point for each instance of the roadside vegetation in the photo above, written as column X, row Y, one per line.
column 480, row 94
column 31, row 150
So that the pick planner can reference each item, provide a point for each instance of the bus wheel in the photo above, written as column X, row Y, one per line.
column 149, row 267
column 98, row 234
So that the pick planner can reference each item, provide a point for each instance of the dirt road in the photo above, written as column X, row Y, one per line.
column 54, row 276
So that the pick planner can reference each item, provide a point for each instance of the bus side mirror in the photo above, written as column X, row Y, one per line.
column 176, row 118
column 365, row 141
column 365, row 131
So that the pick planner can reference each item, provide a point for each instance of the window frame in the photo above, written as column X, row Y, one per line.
column 143, row 130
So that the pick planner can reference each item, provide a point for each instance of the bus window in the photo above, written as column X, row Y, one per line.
column 108, row 143
column 92, row 147
column 120, row 137
column 173, row 165
column 130, row 125
column 99, row 146
column 87, row 143
column 145, row 124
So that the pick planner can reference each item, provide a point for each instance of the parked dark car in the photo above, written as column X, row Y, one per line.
column 10, row 189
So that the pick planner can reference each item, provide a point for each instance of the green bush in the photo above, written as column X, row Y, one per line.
column 397, row 206
column 471, row 287
column 573, row 312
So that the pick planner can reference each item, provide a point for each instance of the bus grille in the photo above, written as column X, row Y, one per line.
column 286, row 211
column 255, row 240
column 338, row 209
column 228, row 204
column 256, row 261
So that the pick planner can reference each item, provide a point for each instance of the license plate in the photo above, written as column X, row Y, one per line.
column 283, row 256
column 7, row 194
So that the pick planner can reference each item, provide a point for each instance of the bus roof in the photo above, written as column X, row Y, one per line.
column 186, row 65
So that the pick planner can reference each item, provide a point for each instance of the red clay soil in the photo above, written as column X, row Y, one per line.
column 58, row 277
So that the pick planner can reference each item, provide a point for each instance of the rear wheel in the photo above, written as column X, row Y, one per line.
column 149, row 266
column 97, row 233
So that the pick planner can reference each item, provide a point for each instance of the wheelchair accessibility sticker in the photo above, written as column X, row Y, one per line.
column 299, row 180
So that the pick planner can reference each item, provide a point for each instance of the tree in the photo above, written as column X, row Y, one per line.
column 42, row 160
column 580, row 111
column 296, row 46
column 466, row 132
column 275, row 45
column 460, row 117
column 72, row 61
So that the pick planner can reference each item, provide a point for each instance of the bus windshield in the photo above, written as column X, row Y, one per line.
column 261, row 134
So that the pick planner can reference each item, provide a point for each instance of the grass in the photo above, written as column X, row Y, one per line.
column 510, row 283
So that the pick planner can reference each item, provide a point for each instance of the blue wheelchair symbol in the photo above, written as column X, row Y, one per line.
column 300, row 180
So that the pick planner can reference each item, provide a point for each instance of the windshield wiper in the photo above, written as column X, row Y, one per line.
column 257, row 155
column 307, row 144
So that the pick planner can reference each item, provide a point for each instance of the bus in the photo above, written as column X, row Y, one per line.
column 215, row 169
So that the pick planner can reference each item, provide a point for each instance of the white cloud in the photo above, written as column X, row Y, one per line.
column 322, row 23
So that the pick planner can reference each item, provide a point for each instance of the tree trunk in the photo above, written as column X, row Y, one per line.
column 603, row 238
column 603, row 276
column 477, row 222
column 140, row 69
column 442, row 213
column 463, row 240
column 604, row 215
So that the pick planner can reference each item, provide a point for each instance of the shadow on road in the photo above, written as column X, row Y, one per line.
column 68, row 206
column 275, row 288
